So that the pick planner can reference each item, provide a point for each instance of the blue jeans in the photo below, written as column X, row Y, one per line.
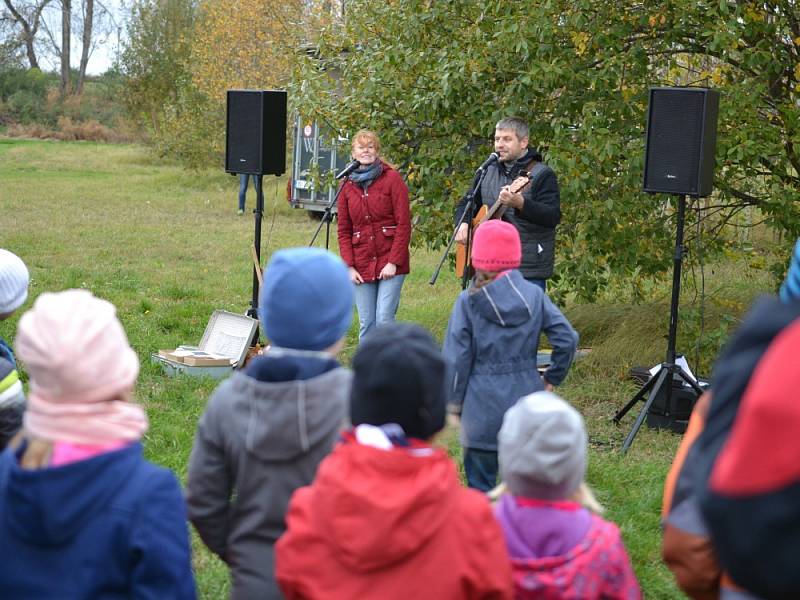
column 377, row 303
column 481, row 468
column 243, row 179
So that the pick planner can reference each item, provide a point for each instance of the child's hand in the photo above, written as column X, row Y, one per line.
column 453, row 420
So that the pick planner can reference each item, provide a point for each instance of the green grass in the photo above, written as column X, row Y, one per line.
column 167, row 248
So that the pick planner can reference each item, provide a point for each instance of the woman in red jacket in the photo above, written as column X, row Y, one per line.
column 374, row 232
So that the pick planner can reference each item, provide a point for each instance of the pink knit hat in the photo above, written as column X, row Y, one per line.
column 496, row 246
column 80, row 366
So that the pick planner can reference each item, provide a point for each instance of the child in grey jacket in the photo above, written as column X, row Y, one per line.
column 492, row 341
column 266, row 429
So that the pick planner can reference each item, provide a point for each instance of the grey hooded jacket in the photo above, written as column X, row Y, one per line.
column 491, row 343
column 256, row 443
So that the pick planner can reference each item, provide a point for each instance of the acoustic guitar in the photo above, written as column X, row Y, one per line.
column 496, row 211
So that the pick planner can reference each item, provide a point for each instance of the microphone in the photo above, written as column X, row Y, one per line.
column 348, row 169
column 493, row 157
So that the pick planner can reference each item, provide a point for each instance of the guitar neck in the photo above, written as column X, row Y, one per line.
column 518, row 185
column 490, row 214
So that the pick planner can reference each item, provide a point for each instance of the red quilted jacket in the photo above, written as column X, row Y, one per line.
column 375, row 226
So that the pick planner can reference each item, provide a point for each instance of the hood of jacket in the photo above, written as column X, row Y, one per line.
column 544, row 531
column 376, row 507
column 282, row 420
column 48, row 507
column 502, row 301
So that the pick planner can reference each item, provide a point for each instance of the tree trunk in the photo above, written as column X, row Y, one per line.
column 30, row 52
column 66, row 22
column 88, row 19
column 29, row 29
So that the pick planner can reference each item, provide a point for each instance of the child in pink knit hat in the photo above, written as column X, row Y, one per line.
column 492, row 342
column 88, row 517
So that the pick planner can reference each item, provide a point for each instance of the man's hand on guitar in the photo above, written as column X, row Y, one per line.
column 355, row 277
column 461, row 234
column 512, row 199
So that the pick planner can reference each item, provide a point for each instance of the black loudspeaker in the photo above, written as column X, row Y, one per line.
column 675, row 415
column 681, row 141
column 256, row 132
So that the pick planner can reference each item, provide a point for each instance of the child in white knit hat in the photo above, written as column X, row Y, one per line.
column 14, row 280
column 558, row 548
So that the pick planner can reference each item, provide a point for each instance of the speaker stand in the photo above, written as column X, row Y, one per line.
column 258, row 212
column 669, row 369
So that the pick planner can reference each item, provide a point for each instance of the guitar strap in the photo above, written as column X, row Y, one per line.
column 536, row 172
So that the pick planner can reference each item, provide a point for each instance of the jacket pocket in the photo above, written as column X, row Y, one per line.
column 389, row 230
column 356, row 238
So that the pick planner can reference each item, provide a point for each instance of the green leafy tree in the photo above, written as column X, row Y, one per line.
column 155, row 58
column 434, row 77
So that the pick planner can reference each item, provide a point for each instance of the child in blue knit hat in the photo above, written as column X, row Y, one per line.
column 265, row 430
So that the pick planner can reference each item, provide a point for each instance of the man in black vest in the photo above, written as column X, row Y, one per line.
column 535, row 212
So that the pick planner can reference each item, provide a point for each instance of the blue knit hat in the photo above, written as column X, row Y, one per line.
column 790, row 290
column 306, row 302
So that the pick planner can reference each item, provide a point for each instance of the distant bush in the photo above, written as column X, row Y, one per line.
column 31, row 130
column 23, row 95
column 191, row 129
column 14, row 80
column 25, row 106
column 31, row 105
column 68, row 130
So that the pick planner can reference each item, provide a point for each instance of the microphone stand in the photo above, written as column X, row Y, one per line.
column 327, row 217
column 468, row 210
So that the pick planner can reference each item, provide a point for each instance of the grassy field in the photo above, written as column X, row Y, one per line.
column 167, row 248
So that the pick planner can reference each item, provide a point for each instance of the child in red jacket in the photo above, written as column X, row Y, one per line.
column 386, row 516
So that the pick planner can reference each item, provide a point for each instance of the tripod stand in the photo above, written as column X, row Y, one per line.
column 668, row 369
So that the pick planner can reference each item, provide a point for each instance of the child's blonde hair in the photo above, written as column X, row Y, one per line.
column 583, row 496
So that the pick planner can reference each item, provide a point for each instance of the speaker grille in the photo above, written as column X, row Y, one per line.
column 244, row 127
column 256, row 132
column 681, row 139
